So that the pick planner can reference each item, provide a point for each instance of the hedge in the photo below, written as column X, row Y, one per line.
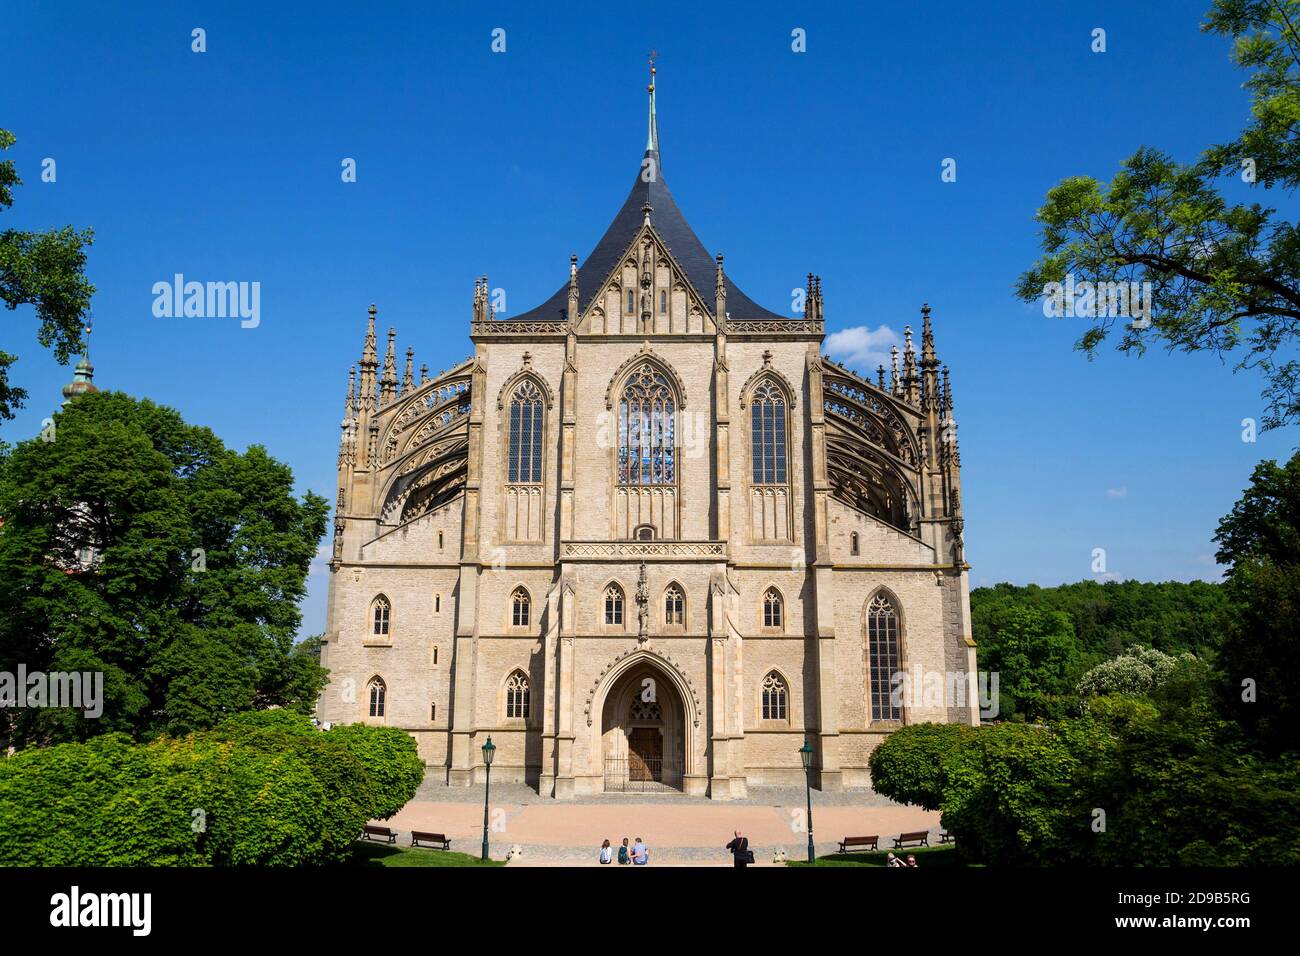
column 255, row 791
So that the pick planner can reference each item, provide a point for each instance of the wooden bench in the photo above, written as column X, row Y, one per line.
column 946, row 837
column 437, row 840
column 866, row 842
column 385, row 834
column 918, row 837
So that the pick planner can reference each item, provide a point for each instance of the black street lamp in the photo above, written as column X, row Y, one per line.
column 806, row 755
column 489, row 751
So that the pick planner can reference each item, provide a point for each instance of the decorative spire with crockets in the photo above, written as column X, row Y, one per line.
column 369, row 362
column 408, row 378
column 388, row 383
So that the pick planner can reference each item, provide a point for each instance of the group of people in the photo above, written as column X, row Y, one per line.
column 638, row 854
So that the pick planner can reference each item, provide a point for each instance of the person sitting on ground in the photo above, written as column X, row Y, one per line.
column 624, row 854
column 911, row 860
column 606, row 852
column 640, row 854
column 892, row 860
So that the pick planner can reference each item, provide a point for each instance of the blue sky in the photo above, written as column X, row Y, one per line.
column 225, row 166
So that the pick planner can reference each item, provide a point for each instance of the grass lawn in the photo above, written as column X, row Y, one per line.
column 925, row 857
column 384, row 854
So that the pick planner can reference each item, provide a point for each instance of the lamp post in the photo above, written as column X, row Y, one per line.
column 806, row 755
column 489, row 751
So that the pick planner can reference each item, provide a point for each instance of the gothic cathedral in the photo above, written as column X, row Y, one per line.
column 647, row 536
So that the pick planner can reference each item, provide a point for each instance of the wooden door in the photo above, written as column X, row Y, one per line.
column 645, row 751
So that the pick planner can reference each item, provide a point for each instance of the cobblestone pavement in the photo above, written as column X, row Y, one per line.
column 679, row 830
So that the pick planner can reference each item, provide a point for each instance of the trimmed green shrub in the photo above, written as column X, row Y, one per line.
column 1020, row 795
column 391, row 757
column 907, row 766
column 263, row 789
column 345, row 779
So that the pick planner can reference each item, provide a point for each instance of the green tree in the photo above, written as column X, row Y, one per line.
column 1137, row 671
column 190, row 605
column 1036, row 658
column 907, row 766
column 46, row 270
column 1260, row 542
column 1223, row 275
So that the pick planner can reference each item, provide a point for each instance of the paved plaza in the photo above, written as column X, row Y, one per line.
column 679, row 830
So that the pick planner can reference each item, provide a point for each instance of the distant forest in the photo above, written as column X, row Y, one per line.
column 1043, row 640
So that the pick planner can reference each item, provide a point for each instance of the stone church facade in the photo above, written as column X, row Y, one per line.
column 647, row 536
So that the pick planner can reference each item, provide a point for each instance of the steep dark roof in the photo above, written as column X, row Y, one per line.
column 676, row 233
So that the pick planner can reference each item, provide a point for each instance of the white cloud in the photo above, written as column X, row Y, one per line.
column 1121, row 492
column 861, row 347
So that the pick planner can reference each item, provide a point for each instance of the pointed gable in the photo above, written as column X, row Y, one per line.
column 674, row 231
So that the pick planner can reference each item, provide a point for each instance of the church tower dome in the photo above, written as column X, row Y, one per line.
column 83, row 377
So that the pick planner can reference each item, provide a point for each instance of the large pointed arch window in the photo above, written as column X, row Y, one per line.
column 883, row 654
column 767, row 435
column 526, row 404
column 646, row 438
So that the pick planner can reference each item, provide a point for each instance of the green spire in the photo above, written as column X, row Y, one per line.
column 652, row 137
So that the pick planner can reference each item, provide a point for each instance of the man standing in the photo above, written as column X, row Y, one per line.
column 739, row 848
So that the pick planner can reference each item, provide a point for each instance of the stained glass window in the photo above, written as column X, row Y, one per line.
column 767, row 432
column 646, row 422
column 883, row 653
column 526, row 435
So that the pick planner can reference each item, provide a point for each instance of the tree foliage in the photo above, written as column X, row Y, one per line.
column 1036, row 657
column 396, row 767
column 907, row 766
column 255, row 791
column 1223, row 275
column 1259, row 541
column 191, row 606
column 46, row 270
column 1139, row 670
column 1170, row 616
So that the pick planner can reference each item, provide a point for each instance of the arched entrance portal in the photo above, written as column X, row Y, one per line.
column 643, row 733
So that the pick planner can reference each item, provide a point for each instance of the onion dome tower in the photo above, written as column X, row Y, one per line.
column 83, row 377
